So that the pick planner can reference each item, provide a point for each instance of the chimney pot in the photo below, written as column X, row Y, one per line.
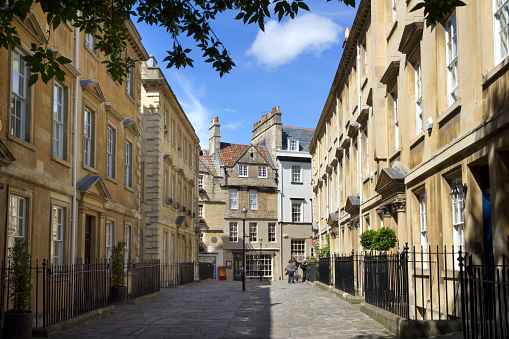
column 347, row 32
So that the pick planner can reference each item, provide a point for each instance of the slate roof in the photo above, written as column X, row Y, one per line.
column 230, row 153
column 87, row 182
column 304, row 135
column 210, row 163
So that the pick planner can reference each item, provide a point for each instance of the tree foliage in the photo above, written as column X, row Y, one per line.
column 117, row 264
column 382, row 240
column 20, row 283
column 105, row 19
column 367, row 239
column 324, row 251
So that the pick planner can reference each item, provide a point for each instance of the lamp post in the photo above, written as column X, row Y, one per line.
column 243, row 213
column 260, row 260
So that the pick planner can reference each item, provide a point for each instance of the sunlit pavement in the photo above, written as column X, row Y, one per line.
column 220, row 309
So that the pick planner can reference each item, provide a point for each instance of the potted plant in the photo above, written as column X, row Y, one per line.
column 201, row 220
column 18, row 321
column 367, row 239
column 118, row 289
column 202, row 190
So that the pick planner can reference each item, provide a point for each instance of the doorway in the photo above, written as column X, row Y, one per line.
column 88, row 238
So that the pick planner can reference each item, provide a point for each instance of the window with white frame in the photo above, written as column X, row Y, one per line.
column 451, row 40
column 296, row 211
column 396, row 119
column 110, row 151
column 200, row 181
column 253, row 200
column 262, row 171
column 422, row 222
column 272, row 232
column 253, row 232
column 88, row 138
column 296, row 174
column 165, row 186
column 234, row 232
column 293, row 144
column 501, row 29
column 18, row 220
column 59, row 120
column 129, row 84
column 458, row 216
column 90, row 41
column 243, row 171
column 298, row 247
column 256, row 263
column 418, row 97
column 20, row 100
column 200, row 211
column 233, row 199
column 127, row 244
column 128, row 164
column 381, row 216
column 57, row 235
column 110, row 231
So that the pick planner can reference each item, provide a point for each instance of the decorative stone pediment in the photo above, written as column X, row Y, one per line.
column 369, row 99
column 391, row 184
column 67, row 68
column 346, row 143
column 339, row 152
column 352, row 205
column 111, row 110
column 332, row 219
column 31, row 25
column 329, row 168
column 390, row 77
column 412, row 34
column 353, row 128
column 93, row 186
column 131, row 126
column 167, row 159
column 93, row 89
column 6, row 156
column 363, row 116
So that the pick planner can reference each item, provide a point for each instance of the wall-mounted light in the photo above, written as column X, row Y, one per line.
column 458, row 189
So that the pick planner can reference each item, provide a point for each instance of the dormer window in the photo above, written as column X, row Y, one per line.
column 243, row 171
column 293, row 145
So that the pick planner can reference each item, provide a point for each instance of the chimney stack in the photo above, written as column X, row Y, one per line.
column 214, row 136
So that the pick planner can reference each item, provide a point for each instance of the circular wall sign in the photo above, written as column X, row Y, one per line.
column 213, row 239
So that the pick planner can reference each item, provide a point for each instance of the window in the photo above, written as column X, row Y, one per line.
column 110, row 230
column 394, row 12
column 396, row 121
column 253, row 232
column 262, row 171
column 243, row 171
column 165, row 187
column 293, row 145
column 458, row 217
column 20, row 101
column 165, row 248
column 501, row 27
column 365, row 60
column 297, row 212
column 200, row 181
column 418, row 97
column 129, row 83
column 234, row 231
column 233, row 199
column 451, row 39
column 256, row 263
column 296, row 171
column 272, row 232
column 128, row 164
column 88, row 138
column 298, row 249
column 253, row 200
column 59, row 120
column 90, row 41
column 127, row 244
column 185, row 149
column 110, row 151
column 422, row 222
column 200, row 211
column 18, row 219
column 57, row 235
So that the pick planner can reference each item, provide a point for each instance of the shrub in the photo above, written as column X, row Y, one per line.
column 19, row 277
column 117, row 264
column 384, row 239
column 367, row 239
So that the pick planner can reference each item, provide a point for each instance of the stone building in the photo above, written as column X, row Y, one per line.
column 169, row 163
column 290, row 147
column 413, row 134
column 69, row 151
column 234, row 176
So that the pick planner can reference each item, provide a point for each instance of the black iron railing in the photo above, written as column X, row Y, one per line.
column 344, row 273
column 324, row 270
column 145, row 278
column 311, row 271
column 485, row 295
column 206, row 270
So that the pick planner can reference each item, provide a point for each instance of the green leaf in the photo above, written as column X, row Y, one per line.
column 63, row 60
column 418, row 7
column 33, row 79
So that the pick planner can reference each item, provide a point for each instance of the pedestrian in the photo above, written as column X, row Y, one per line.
column 304, row 268
column 289, row 271
column 296, row 264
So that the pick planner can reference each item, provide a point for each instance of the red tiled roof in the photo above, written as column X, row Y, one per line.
column 230, row 153
column 209, row 163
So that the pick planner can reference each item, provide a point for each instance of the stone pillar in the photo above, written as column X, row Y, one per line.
column 401, row 232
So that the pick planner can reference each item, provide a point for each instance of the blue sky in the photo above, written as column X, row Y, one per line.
column 291, row 65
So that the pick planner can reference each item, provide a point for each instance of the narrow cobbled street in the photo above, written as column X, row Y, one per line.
column 220, row 309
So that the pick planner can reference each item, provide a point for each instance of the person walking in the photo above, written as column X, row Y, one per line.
column 304, row 268
column 296, row 264
column 290, row 268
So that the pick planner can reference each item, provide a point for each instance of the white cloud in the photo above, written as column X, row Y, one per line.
column 283, row 42
column 233, row 125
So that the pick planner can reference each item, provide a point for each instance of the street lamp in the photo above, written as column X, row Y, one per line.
column 260, row 260
column 243, row 213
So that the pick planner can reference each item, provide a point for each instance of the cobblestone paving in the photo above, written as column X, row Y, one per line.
column 219, row 309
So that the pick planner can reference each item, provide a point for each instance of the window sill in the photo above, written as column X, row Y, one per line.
column 130, row 189
column 113, row 180
column 262, row 177
column 417, row 139
column 450, row 111
column 495, row 73
column 130, row 97
column 60, row 161
column 297, row 183
column 391, row 32
column 92, row 52
column 90, row 169
column 20, row 141
column 395, row 154
column 243, row 176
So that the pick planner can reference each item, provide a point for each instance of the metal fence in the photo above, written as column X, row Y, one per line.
column 176, row 274
column 144, row 278
column 485, row 295
column 311, row 271
column 324, row 271
column 344, row 273
column 206, row 270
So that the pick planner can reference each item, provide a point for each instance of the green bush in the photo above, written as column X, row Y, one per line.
column 367, row 239
column 382, row 240
column 117, row 264
column 19, row 277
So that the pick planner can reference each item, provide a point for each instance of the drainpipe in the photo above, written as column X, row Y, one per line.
column 338, row 197
column 74, row 146
column 359, row 135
